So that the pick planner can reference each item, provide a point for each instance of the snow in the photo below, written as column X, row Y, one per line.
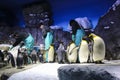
column 49, row 71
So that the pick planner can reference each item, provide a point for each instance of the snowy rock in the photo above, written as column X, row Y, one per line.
column 84, row 73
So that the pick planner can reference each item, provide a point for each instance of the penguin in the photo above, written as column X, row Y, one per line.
column 83, row 52
column 8, row 57
column 40, row 56
column 51, row 53
column 43, row 52
column 72, row 53
column 19, row 59
column 34, row 56
column 98, row 53
column 14, row 52
column 61, row 54
column 98, row 48
column 1, row 56
column 25, row 57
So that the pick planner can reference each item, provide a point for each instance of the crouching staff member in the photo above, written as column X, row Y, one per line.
column 48, row 37
column 77, row 32
column 25, row 39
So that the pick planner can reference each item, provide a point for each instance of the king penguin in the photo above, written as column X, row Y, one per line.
column 72, row 53
column 51, row 54
column 98, row 48
column 83, row 52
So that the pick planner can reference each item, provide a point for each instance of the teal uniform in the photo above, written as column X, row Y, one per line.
column 48, row 42
column 29, row 43
column 77, row 38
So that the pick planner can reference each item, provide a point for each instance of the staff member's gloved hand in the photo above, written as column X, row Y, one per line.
column 11, row 47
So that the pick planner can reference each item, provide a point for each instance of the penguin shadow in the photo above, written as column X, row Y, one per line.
column 99, row 62
column 8, row 67
column 21, row 67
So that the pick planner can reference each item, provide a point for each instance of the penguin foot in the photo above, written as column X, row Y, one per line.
column 19, row 67
column 98, row 62
column 50, row 61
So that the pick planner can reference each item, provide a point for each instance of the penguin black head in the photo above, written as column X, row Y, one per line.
column 87, row 32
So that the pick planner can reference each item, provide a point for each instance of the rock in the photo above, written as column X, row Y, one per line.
column 108, row 28
column 74, row 72
column 4, row 77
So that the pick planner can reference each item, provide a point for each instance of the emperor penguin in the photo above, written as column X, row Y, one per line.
column 51, row 53
column 72, row 53
column 98, row 48
column 83, row 52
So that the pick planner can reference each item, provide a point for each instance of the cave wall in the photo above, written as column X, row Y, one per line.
column 108, row 28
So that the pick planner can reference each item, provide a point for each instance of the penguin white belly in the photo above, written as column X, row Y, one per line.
column 71, row 53
column 67, row 52
column 72, row 45
column 98, row 49
column 14, row 52
column 83, row 52
column 72, row 58
column 51, row 54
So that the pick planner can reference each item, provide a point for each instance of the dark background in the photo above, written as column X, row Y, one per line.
column 63, row 10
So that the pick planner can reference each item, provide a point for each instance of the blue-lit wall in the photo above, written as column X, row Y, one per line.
column 64, row 10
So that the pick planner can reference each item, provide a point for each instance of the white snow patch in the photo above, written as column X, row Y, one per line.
column 47, row 71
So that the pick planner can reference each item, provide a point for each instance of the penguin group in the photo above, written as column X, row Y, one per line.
column 85, row 46
column 90, row 50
